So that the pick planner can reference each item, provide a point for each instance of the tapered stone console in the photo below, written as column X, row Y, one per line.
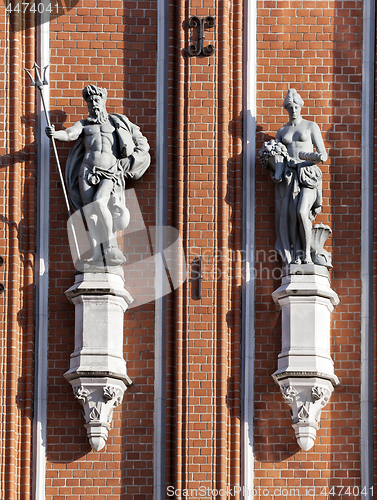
column 98, row 372
column 305, row 371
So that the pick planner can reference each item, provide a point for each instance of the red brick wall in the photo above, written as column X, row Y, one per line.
column 315, row 49
column 205, row 173
column 113, row 46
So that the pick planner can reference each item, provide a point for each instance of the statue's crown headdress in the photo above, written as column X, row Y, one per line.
column 90, row 90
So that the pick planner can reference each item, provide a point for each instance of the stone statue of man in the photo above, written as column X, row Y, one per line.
column 109, row 150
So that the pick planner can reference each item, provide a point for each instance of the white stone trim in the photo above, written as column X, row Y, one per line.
column 248, row 348
column 160, row 275
column 367, row 167
column 41, row 279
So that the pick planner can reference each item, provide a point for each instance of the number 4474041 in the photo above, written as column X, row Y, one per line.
column 354, row 491
column 32, row 7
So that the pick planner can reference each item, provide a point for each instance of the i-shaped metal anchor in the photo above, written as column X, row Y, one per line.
column 197, row 48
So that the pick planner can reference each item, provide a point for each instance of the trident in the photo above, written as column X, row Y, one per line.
column 39, row 83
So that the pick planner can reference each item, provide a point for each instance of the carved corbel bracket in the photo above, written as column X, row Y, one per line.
column 99, row 397
column 306, row 396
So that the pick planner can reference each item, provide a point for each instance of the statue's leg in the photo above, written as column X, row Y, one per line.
column 294, row 239
column 306, row 201
column 105, row 219
column 112, row 256
column 87, row 192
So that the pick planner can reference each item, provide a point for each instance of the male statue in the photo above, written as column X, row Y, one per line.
column 109, row 150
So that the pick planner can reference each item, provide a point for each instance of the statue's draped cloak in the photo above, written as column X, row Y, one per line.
column 288, row 240
column 131, row 149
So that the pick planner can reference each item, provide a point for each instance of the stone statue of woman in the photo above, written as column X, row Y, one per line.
column 293, row 159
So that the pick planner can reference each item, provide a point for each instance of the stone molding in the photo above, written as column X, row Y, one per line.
column 100, row 283
column 305, row 285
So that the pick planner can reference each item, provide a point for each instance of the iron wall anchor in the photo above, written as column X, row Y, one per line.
column 197, row 48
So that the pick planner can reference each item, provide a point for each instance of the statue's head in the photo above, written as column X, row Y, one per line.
column 293, row 104
column 292, row 97
column 93, row 90
column 95, row 98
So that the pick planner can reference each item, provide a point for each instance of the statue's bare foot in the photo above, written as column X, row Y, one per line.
column 297, row 260
column 114, row 257
column 96, row 258
column 307, row 260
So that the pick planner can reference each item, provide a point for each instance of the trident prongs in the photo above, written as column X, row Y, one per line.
column 38, row 81
column 45, row 81
column 39, row 84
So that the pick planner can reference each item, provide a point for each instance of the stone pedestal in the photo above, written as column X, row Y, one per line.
column 305, row 371
column 98, row 372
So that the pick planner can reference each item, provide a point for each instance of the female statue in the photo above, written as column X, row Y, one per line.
column 293, row 161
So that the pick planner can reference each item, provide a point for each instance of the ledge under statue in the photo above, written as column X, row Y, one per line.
column 109, row 150
column 305, row 371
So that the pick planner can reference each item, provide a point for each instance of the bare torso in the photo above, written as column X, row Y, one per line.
column 98, row 142
column 297, row 138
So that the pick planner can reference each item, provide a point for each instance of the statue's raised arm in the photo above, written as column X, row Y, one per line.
column 67, row 134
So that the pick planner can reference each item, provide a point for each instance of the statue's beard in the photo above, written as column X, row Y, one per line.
column 97, row 116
